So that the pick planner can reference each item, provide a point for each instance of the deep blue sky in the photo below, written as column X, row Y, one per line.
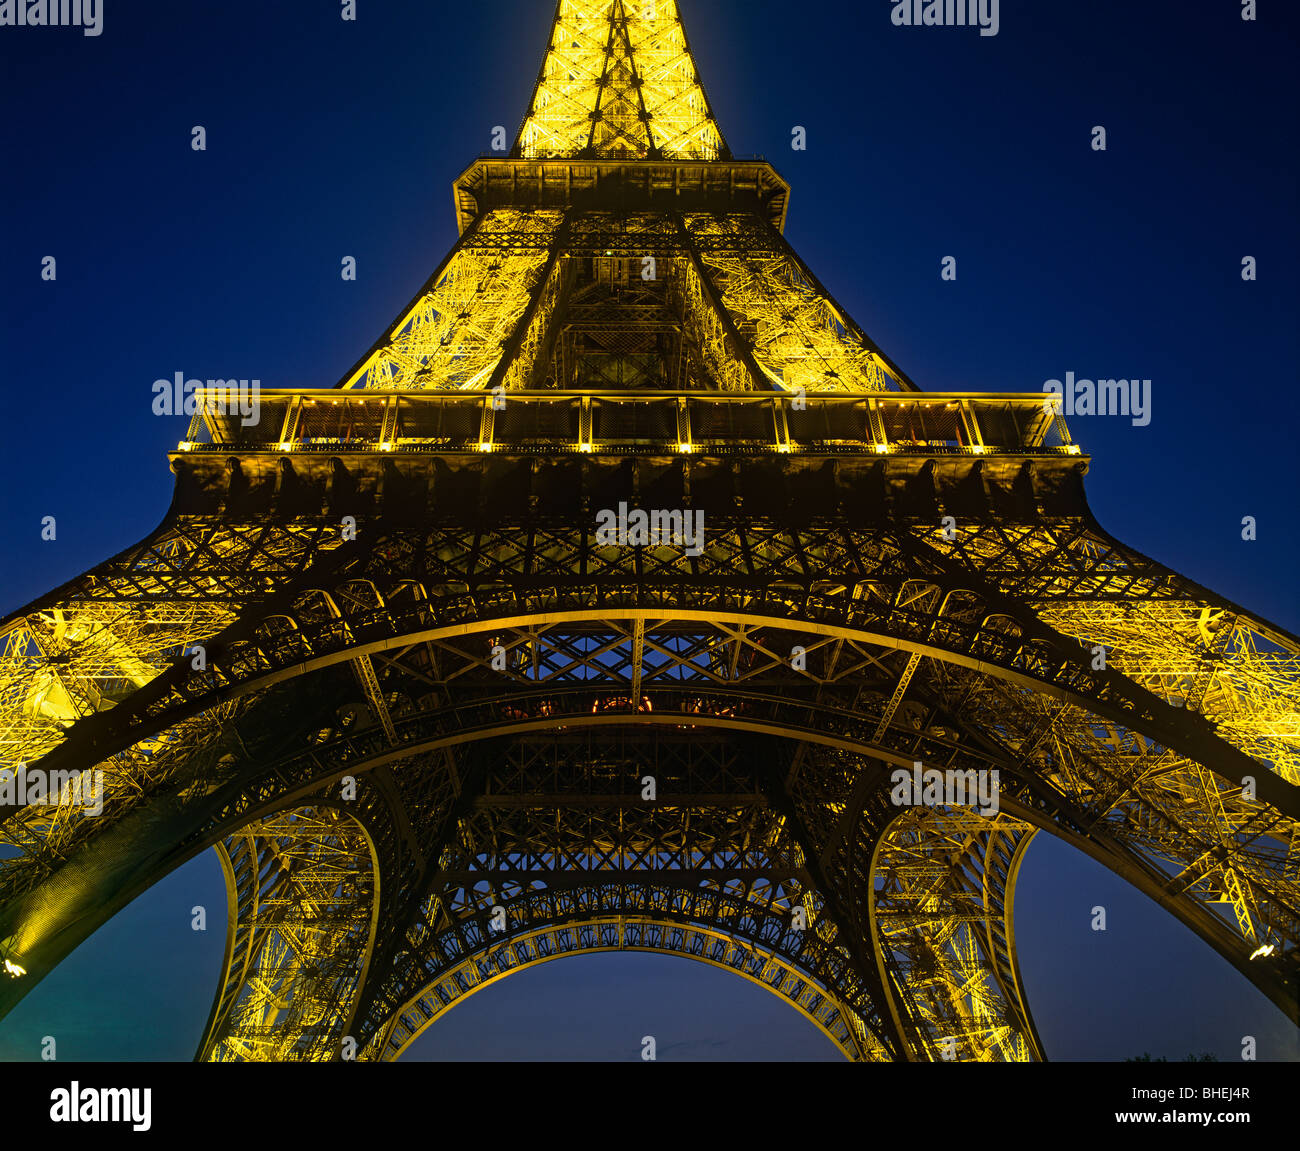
column 329, row 139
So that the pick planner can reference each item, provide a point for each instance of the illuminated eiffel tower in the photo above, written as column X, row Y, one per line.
column 440, row 723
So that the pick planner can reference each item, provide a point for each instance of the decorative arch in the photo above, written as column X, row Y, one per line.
column 1026, row 656
column 746, row 958
column 1029, row 688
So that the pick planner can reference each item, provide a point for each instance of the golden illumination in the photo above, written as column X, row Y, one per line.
column 526, row 306
column 618, row 80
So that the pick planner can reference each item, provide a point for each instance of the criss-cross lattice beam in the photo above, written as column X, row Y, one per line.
column 618, row 81
column 940, row 911
column 301, row 888
column 627, row 932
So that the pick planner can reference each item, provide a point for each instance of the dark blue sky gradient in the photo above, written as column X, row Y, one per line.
column 330, row 139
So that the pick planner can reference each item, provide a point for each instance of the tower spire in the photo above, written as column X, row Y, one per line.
column 619, row 82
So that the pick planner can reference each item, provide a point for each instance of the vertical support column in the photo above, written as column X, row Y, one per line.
column 1063, row 430
column 196, row 423
column 876, row 426
column 684, row 442
column 388, row 428
column 758, row 378
column 289, row 429
column 511, row 348
column 782, row 424
column 638, row 658
column 216, row 431
column 970, row 425
column 584, row 424
column 782, row 245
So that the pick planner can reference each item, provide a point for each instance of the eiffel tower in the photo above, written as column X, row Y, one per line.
column 603, row 605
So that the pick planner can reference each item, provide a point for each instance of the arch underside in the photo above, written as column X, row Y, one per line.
column 962, row 999
column 627, row 933
column 720, row 878
column 474, row 713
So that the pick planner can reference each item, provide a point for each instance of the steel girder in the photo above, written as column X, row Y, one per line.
column 624, row 932
column 618, row 80
column 906, row 666
column 886, row 585
column 685, row 875
column 752, row 315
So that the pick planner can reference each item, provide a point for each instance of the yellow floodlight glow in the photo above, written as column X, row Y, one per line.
column 13, row 970
column 1260, row 952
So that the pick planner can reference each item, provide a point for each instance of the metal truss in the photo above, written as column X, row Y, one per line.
column 619, row 81
column 379, row 658
column 85, row 647
column 670, row 300
column 1075, row 755
column 298, row 886
column 453, row 334
column 940, row 909
column 560, row 833
column 727, row 952
column 792, row 333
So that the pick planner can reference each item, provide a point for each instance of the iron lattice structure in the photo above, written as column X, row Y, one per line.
column 430, row 693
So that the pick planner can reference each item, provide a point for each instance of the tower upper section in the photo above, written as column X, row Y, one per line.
column 621, row 286
column 619, row 83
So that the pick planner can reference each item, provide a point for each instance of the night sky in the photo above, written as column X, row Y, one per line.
column 329, row 139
